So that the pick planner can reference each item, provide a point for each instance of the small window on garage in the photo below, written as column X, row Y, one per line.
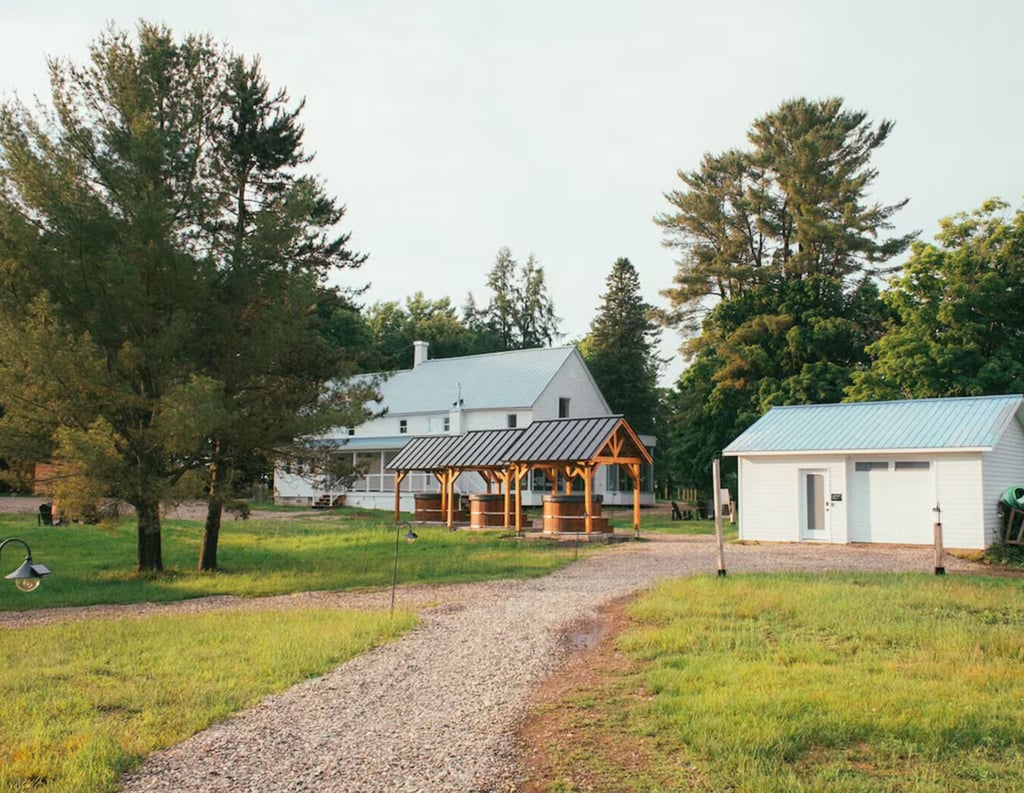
column 403, row 426
column 913, row 465
column 872, row 465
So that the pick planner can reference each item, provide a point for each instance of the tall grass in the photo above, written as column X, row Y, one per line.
column 844, row 684
column 82, row 702
column 261, row 557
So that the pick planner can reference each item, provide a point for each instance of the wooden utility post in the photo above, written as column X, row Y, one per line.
column 716, row 477
column 937, row 527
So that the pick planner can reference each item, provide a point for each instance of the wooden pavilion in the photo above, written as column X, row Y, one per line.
column 564, row 449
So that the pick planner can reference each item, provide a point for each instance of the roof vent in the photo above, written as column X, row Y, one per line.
column 419, row 352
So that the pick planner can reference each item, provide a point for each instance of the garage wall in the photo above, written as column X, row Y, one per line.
column 1002, row 467
column 769, row 497
column 958, row 490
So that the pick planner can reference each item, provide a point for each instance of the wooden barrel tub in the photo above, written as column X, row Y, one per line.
column 487, row 510
column 428, row 507
column 565, row 513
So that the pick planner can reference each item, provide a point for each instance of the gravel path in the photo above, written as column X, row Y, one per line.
column 438, row 710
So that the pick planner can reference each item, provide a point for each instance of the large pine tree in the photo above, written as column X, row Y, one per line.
column 777, row 245
column 162, row 269
column 621, row 349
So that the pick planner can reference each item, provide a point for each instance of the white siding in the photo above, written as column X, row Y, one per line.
column 573, row 380
column 770, row 506
column 1002, row 467
column 959, row 492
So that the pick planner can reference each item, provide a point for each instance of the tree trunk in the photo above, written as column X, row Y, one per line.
column 211, row 533
column 150, row 557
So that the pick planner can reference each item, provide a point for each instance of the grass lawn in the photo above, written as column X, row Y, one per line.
column 83, row 702
column 844, row 684
column 344, row 549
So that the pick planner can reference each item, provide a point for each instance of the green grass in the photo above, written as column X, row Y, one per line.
column 261, row 557
column 845, row 684
column 82, row 702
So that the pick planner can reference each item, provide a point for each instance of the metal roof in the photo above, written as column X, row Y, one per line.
column 425, row 453
column 510, row 379
column 477, row 449
column 354, row 444
column 555, row 440
column 956, row 423
column 565, row 440
column 484, row 448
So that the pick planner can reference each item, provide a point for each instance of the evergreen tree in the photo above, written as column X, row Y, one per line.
column 162, row 272
column 778, row 247
column 520, row 314
column 620, row 349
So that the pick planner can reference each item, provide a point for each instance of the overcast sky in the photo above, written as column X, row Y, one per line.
column 453, row 128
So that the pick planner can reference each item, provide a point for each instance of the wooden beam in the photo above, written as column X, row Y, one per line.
column 634, row 474
column 520, row 474
column 452, row 476
column 588, row 495
column 399, row 478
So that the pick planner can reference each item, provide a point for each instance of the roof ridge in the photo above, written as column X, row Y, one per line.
column 897, row 401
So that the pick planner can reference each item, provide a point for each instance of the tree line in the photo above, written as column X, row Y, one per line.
column 167, row 322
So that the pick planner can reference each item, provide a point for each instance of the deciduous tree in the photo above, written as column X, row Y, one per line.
column 958, row 328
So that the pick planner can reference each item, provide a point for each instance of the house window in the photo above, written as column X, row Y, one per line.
column 351, row 430
column 912, row 465
column 403, row 427
column 447, row 424
column 563, row 407
column 871, row 466
column 512, row 418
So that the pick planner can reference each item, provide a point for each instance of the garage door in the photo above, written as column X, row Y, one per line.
column 891, row 501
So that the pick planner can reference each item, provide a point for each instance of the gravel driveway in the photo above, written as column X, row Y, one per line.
column 438, row 710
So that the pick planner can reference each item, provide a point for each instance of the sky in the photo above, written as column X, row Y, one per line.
column 451, row 129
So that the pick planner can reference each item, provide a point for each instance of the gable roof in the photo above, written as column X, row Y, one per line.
column 563, row 440
column 513, row 379
column 601, row 439
column 952, row 424
column 474, row 450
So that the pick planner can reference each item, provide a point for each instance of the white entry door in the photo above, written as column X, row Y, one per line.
column 814, row 505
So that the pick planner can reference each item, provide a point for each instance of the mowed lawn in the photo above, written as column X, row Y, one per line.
column 839, row 683
column 340, row 550
column 83, row 701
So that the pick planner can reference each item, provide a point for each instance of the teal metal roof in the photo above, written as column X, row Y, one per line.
column 513, row 379
column 352, row 444
column 956, row 423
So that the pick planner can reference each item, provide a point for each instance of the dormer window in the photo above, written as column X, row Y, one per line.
column 403, row 427
column 512, row 419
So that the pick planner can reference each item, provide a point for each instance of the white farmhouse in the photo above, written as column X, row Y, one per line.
column 454, row 396
column 880, row 472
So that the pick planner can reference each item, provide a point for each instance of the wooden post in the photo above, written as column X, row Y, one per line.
column 505, row 491
column 937, row 527
column 588, row 490
column 634, row 472
column 520, row 474
column 716, row 477
column 451, row 500
column 399, row 477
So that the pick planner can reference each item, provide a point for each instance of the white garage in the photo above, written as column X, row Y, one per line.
column 880, row 472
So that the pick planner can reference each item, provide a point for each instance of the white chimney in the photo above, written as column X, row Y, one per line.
column 419, row 352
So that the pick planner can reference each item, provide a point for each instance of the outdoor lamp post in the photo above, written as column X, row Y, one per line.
column 410, row 536
column 28, row 576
